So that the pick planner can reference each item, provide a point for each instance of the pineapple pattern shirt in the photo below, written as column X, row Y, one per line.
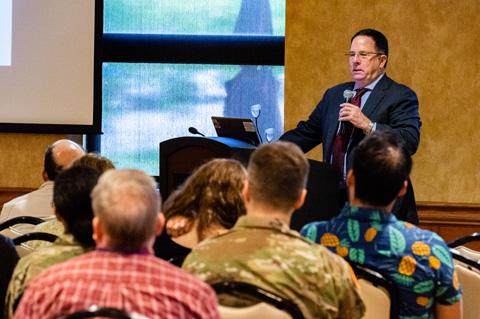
column 417, row 260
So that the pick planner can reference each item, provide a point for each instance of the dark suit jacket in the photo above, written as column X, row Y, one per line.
column 391, row 105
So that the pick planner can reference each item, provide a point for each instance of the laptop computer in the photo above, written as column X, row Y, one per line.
column 242, row 129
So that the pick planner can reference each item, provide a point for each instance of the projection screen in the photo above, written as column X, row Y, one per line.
column 47, row 78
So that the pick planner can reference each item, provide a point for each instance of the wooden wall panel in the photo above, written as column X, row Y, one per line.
column 21, row 159
column 450, row 221
column 433, row 49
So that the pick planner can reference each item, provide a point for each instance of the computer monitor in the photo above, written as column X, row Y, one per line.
column 242, row 129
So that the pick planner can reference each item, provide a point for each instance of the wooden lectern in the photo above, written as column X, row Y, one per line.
column 179, row 157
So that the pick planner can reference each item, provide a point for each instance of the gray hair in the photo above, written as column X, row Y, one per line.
column 127, row 204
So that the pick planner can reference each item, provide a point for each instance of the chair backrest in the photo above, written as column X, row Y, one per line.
column 379, row 294
column 177, row 260
column 469, row 253
column 464, row 240
column 20, row 220
column 23, row 249
column 246, row 290
column 470, row 282
column 468, row 271
column 102, row 312
column 7, row 227
column 377, row 300
column 260, row 310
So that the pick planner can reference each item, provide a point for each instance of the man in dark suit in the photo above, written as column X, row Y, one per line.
column 379, row 103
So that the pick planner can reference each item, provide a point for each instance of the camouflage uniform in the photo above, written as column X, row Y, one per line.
column 270, row 255
column 54, row 227
column 29, row 266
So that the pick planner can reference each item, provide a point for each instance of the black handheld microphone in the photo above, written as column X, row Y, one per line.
column 193, row 130
column 347, row 95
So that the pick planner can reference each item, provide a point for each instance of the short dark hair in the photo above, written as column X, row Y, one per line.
column 380, row 165
column 71, row 197
column 277, row 174
column 381, row 42
column 51, row 167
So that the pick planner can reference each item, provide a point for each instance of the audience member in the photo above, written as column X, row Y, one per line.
column 121, row 272
column 97, row 162
column 207, row 204
column 55, row 226
column 9, row 258
column 367, row 233
column 261, row 249
column 58, row 156
column 72, row 205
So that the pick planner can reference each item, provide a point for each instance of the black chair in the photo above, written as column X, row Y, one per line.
column 103, row 312
column 20, row 220
column 464, row 240
column 166, row 249
column 21, row 241
column 465, row 260
column 249, row 291
column 375, row 289
column 34, row 236
column 177, row 260
column 463, row 250
column 8, row 260
column 22, row 250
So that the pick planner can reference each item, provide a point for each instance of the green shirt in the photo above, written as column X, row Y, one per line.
column 268, row 254
column 29, row 266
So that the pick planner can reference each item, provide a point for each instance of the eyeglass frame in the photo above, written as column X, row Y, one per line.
column 363, row 55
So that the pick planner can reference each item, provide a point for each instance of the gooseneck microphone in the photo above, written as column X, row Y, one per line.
column 193, row 130
column 256, row 110
column 347, row 95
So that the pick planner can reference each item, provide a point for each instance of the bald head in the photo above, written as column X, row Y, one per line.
column 60, row 155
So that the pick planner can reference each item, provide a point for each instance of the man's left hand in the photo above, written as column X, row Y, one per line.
column 352, row 113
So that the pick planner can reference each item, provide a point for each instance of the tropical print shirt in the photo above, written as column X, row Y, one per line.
column 417, row 260
column 268, row 254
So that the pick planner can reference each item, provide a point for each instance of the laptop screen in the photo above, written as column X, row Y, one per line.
column 242, row 129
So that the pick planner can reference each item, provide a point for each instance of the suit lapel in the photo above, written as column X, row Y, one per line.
column 376, row 96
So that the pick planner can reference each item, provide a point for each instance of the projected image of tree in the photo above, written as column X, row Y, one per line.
column 146, row 103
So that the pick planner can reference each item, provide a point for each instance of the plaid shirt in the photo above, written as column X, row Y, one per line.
column 134, row 282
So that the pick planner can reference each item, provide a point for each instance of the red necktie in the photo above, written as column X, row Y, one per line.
column 342, row 138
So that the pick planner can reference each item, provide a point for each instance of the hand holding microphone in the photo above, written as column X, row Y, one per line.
column 351, row 112
column 347, row 95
